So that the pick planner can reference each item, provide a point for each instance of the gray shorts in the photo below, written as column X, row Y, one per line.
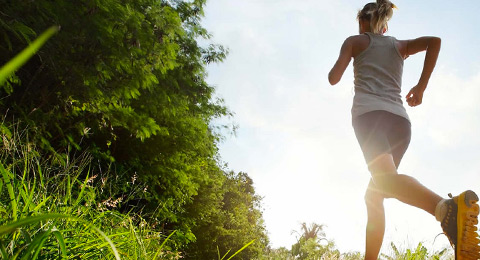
column 379, row 132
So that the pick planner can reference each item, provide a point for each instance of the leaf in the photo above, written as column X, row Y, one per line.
column 61, row 243
column 24, row 30
column 11, row 227
column 5, row 131
column 8, row 182
column 36, row 245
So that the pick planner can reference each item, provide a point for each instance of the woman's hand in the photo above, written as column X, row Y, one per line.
column 415, row 96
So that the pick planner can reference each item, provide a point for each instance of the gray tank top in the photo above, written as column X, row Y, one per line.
column 378, row 78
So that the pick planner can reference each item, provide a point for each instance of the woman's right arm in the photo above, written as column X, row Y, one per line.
column 343, row 60
column 432, row 46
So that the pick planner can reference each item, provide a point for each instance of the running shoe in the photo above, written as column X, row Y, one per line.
column 460, row 225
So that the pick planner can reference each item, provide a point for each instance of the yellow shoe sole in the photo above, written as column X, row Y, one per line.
column 468, row 247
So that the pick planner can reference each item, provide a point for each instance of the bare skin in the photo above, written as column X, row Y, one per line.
column 386, row 182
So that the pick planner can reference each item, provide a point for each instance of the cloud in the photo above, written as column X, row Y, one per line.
column 453, row 110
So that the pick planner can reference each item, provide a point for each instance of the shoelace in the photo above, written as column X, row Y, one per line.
column 446, row 220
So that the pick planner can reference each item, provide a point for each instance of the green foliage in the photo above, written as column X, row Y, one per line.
column 277, row 254
column 309, row 245
column 48, row 212
column 311, row 250
column 125, row 81
column 312, row 244
column 234, row 219
column 418, row 253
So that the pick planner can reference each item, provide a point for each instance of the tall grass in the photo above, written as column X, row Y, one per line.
column 51, row 209
column 418, row 253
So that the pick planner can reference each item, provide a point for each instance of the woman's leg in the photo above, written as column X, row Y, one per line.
column 386, row 182
column 402, row 187
column 375, row 222
column 384, row 139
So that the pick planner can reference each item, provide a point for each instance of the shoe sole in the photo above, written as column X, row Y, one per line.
column 467, row 218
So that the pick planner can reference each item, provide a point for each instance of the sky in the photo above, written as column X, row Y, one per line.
column 295, row 138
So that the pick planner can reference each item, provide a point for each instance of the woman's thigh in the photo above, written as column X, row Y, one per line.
column 381, row 132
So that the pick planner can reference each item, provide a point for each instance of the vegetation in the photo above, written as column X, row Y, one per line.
column 420, row 252
column 121, row 85
column 48, row 211
column 312, row 244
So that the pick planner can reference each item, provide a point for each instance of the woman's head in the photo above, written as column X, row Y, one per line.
column 376, row 16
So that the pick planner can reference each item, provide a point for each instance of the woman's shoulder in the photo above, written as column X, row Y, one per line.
column 359, row 43
column 359, row 38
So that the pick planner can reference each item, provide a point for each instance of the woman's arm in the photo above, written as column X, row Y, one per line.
column 343, row 60
column 432, row 46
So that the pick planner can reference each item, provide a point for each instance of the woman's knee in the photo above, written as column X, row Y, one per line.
column 385, row 182
column 383, row 172
column 373, row 196
column 382, row 165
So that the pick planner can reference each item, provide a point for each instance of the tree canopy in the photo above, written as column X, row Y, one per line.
column 125, row 80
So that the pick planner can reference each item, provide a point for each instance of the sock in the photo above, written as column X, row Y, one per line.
column 441, row 210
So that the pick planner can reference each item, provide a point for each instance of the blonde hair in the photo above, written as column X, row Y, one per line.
column 378, row 14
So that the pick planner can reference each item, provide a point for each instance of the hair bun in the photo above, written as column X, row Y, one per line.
column 384, row 9
column 385, row 4
column 378, row 14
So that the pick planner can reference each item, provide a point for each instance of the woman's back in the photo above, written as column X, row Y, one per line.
column 378, row 77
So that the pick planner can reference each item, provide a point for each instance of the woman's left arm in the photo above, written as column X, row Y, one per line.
column 346, row 54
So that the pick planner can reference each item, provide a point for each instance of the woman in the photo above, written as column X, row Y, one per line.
column 382, row 128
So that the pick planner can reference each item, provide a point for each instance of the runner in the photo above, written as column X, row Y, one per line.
column 383, row 129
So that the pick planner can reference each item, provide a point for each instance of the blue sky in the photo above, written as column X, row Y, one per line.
column 295, row 137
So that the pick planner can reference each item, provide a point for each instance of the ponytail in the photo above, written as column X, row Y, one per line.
column 378, row 14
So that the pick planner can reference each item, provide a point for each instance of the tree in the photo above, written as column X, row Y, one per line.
column 235, row 221
column 308, row 245
column 312, row 244
column 315, row 231
column 125, row 81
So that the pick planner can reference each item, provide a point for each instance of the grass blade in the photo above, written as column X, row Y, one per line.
column 26, row 235
column 11, row 194
column 41, row 204
column 3, row 251
column 225, row 255
column 9, row 228
column 112, row 246
column 61, row 243
column 82, row 191
column 241, row 249
column 1, row 186
column 163, row 243
column 26, row 54
column 27, row 195
column 36, row 245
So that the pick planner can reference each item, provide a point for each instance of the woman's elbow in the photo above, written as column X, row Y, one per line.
column 435, row 42
column 333, row 79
